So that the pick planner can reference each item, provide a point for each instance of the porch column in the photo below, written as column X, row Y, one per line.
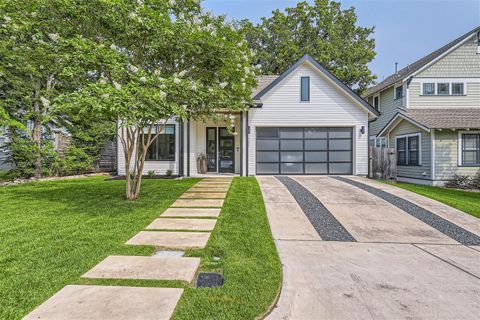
column 247, row 132
column 241, row 143
column 188, row 148
column 181, row 149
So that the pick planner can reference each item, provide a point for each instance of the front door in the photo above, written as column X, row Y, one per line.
column 211, row 149
column 226, row 151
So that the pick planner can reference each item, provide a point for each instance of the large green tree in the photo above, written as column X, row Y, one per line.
column 39, row 61
column 156, row 60
column 323, row 30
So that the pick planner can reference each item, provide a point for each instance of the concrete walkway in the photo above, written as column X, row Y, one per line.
column 396, row 267
column 185, row 225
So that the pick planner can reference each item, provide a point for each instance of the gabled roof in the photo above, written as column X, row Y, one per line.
column 328, row 74
column 419, row 64
column 437, row 118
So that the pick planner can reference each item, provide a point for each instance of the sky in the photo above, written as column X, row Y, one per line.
column 405, row 30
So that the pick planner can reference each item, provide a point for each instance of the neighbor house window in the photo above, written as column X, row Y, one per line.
column 413, row 151
column 398, row 92
column 457, row 88
column 429, row 88
column 443, row 88
column 402, row 151
column 471, row 149
column 408, row 150
column 376, row 102
column 163, row 147
column 305, row 88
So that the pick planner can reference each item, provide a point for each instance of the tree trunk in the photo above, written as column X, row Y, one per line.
column 37, row 137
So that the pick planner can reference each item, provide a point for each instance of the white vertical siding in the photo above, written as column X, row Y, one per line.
column 328, row 106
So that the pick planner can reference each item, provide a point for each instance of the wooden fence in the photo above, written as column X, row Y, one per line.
column 382, row 164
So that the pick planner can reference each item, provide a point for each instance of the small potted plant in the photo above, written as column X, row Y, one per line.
column 202, row 163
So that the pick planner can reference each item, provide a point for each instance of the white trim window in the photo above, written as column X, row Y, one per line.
column 408, row 148
column 458, row 88
column 469, row 148
column 443, row 88
column 398, row 92
column 428, row 88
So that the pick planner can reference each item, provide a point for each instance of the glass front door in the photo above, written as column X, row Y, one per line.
column 226, row 151
column 211, row 149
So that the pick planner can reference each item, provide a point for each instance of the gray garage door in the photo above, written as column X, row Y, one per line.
column 304, row 151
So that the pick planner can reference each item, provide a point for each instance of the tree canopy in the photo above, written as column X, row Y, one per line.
column 323, row 30
column 154, row 60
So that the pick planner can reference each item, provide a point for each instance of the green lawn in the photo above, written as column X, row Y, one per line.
column 53, row 232
column 466, row 201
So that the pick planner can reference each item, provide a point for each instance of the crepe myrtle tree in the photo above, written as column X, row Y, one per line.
column 158, row 60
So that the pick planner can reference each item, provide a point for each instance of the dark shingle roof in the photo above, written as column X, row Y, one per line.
column 445, row 118
column 262, row 82
column 411, row 68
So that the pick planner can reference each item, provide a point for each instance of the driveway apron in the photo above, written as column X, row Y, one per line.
column 396, row 266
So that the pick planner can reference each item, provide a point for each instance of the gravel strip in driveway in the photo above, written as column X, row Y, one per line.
column 446, row 227
column 322, row 220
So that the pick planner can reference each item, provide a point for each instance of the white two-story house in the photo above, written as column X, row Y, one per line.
column 430, row 113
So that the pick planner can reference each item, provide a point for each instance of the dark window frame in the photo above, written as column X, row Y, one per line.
column 476, row 150
column 376, row 102
column 302, row 98
column 158, row 144
column 407, row 140
column 403, row 151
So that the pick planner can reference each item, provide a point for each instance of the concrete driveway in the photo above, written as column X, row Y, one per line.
column 352, row 248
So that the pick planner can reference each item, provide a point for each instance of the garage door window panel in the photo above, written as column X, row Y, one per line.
column 344, row 144
column 340, row 168
column 316, row 156
column 340, row 156
column 316, row 133
column 291, row 156
column 268, row 156
column 268, row 168
column 291, row 145
column 291, row 133
column 316, row 168
column 267, row 132
column 316, row 145
column 266, row 145
column 291, row 168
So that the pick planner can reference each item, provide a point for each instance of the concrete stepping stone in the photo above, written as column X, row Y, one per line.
column 218, row 179
column 183, row 224
column 177, row 240
column 109, row 303
column 198, row 203
column 224, row 183
column 200, row 195
column 208, row 189
column 149, row 268
column 191, row 212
